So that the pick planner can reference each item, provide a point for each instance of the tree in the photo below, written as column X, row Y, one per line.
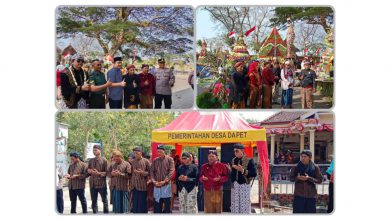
column 241, row 19
column 149, row 29
column 322, row 16
column 308, row 35
column 116, row 130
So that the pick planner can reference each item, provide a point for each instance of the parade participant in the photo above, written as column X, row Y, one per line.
column 287, row 76
column 74, row 84
column 187, row 178
column 119, row 172
column 330, row 175
column 59, row 69
column 254, row 83
column 305, row 175
column 212, row 175
column 98, row 97
column 138, row 183
column 268, row 82
column 177, row 161
column 240, row 86
column 97, row 169
column 165, row 80
column 115, row 92
column 308, row 84
column 59, row 192
column 148, row 87
column 276, row 71
column 131, row 89
column 161, row 172
column 243, row 170
column 190, row 80
column 77, row 173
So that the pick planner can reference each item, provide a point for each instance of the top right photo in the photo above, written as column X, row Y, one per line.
column 265, row 57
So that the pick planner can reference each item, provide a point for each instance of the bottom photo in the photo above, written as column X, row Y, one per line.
column 194, row 162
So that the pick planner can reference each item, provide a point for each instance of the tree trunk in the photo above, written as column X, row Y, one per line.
column 86, row 145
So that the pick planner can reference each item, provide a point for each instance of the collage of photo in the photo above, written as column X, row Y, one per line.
column 182, row 110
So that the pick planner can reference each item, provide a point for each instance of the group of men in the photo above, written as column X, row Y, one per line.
column 81, row 89
column 129, row 181
column 258, row 85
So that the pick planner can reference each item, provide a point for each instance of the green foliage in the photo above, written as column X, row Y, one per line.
column 310, row 15
column 150, row 29
column 116, row 130
column 206, row 100
column 199, row 43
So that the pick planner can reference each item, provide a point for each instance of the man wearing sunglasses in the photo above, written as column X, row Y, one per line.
column 74, row 84
column 243, row 170
column 99, row 85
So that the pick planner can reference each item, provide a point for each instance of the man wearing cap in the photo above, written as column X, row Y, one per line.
column 308, row 84
column 140, row 167
column 77, row 173
column 187, row 179
column 240, row 86
column 243, row 170
column 115, row 92
column 99, row 86
column 268, row 82
column 148, row 87
column 305, row 175
column 97, row 169
column 161, row 172
column 74, row 84
column 212, row 175
column 120, row 172
column 131, row 89
column 165, row 79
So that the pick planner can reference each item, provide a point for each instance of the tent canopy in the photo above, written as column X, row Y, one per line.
column 212, row 129
column 208, row 128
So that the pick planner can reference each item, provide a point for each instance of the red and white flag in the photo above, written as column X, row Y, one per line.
column 250, row 31
column 232, row 34
column 318, row 50
column 305, row 50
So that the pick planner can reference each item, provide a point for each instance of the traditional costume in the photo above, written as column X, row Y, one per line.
column 213, row 189
column 254, row 82
column 305, row 192
column 131, row 90
column 268, row 82
column 71, row 82
column 287, row 77
column 241, row 188
column 187, row 189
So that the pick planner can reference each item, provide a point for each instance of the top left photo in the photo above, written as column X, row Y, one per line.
column 124, row 57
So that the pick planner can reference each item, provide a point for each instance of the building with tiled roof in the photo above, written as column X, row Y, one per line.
column 293, row 131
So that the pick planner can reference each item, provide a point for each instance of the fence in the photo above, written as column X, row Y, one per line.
column 281, row 184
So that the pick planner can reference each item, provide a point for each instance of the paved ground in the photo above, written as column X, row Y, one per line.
column 320, row 101
column 254, row 199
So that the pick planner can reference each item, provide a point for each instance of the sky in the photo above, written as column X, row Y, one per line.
column 206, row 28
